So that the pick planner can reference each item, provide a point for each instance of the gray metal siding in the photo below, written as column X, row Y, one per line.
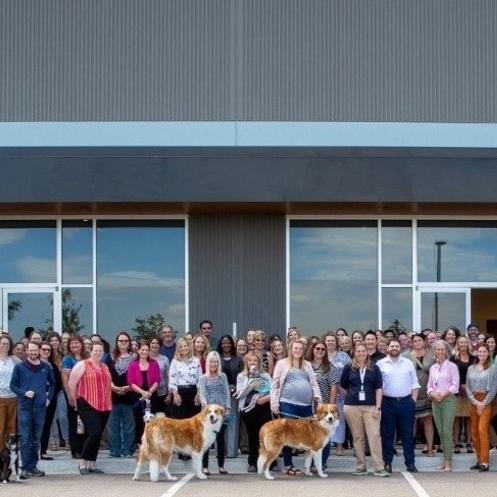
column 248, row 60
column 237, row 272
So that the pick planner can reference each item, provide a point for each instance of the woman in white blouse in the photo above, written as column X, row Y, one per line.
column 184, row 374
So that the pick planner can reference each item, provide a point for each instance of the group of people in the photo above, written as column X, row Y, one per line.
column 384, row 384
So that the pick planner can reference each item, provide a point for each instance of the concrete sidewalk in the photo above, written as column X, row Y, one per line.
column 63, row 463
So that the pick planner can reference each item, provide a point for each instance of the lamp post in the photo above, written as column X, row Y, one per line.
column 439, row 244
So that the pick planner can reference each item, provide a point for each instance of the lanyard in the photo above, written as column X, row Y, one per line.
column 362, row 374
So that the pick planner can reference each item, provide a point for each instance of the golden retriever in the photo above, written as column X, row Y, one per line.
column 310, row 435
column 191, row 436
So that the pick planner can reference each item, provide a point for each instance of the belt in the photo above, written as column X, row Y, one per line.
column 398, row 399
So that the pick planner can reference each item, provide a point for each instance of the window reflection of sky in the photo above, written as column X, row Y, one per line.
column 333, row 274
column 28, row 255
column 140, row 270
column 470, row 253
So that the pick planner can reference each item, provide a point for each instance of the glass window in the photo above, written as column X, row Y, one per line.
column 77, row 310
column 396, row 251
column 397, row 308
column 28, row 252
column 140, row 272
column 77, row 252
column 451, row 251
column 333, row 275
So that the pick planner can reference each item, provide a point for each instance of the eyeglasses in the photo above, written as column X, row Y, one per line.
column 320, row 349
column 123, row 341
column 46, row 350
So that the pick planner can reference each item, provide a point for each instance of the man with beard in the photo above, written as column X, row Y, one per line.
column 33, row 383
column 400, row 391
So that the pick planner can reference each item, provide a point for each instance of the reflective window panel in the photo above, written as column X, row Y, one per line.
column 77, row 252
column 397, row 308
column 396, row 251
column 451, row 251
column 77, row 310
column 333, row 275
column 140, row 272
column 28, row 252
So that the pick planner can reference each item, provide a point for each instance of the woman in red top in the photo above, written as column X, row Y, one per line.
column 89, row 388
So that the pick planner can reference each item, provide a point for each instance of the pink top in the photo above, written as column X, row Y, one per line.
column 135, row 374
column 443, row 378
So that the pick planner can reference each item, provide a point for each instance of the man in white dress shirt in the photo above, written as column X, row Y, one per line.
column 400, row 391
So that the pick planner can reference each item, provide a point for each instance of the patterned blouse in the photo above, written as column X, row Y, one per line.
column 182, row 374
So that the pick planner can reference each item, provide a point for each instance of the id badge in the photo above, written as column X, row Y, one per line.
column 362, row 396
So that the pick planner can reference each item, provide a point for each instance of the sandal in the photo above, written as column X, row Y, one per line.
column 222, row 471
column 457, row 449
column 293, row 471
column 469, row 449
column 206, row 472
column 430, row 453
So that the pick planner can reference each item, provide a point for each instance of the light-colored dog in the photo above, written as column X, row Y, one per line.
column 191, row 436
column 310, row 435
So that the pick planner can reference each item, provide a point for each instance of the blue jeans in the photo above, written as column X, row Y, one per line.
column 397, row 414
column 31, row 420
column 61, row 417
column 121, row 430
column 290, row 411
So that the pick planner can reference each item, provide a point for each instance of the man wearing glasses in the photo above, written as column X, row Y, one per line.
column 205, row 327
column 33, row 383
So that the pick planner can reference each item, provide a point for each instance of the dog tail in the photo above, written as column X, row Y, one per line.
column 154, row 470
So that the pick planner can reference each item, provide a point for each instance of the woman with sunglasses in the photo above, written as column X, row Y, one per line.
column 46, row 355
column 327, row 378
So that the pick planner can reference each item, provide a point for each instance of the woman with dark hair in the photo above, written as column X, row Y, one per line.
column 47, row 355
column 231, row 365
column 492, row 347
column 76, row 353
column 277, row 351
column 159, row 401
column 327, row 378
column 144, row 380
column 121, row 427
column 450, row 335
column 481, row 387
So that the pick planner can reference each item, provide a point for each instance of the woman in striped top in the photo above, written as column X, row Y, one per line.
column 90, row 389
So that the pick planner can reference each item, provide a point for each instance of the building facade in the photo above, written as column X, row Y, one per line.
column 258, row 163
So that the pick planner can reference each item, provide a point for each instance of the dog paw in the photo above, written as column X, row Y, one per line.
column 172, row 478
column 201, row 476
column 269, row 477
column 324, row 475
column 136, row 478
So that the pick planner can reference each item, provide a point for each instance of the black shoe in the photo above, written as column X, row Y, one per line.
column 483, row 468
column 475, row 466
column 411, row 468
column 36, row 472
column 46, row 458
column 388, row 467
column 395, row 453
column 76, row 455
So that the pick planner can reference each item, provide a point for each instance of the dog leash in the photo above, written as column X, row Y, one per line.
column 294, row 416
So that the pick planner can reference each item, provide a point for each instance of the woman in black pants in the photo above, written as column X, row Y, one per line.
column 253, row 386
column 46, row 355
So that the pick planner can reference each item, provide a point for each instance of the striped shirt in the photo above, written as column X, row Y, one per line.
column 325, row 381
column 94, row 386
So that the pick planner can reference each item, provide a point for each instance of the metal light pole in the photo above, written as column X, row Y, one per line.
column 439, row 245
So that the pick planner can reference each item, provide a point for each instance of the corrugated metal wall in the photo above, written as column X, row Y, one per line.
column 290, row 60
column 237, row 272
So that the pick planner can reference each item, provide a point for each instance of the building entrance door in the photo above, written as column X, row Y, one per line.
column 26, row 306
column 438, row 307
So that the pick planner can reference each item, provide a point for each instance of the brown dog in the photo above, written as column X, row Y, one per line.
column 310, row 435
column 190, row 436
